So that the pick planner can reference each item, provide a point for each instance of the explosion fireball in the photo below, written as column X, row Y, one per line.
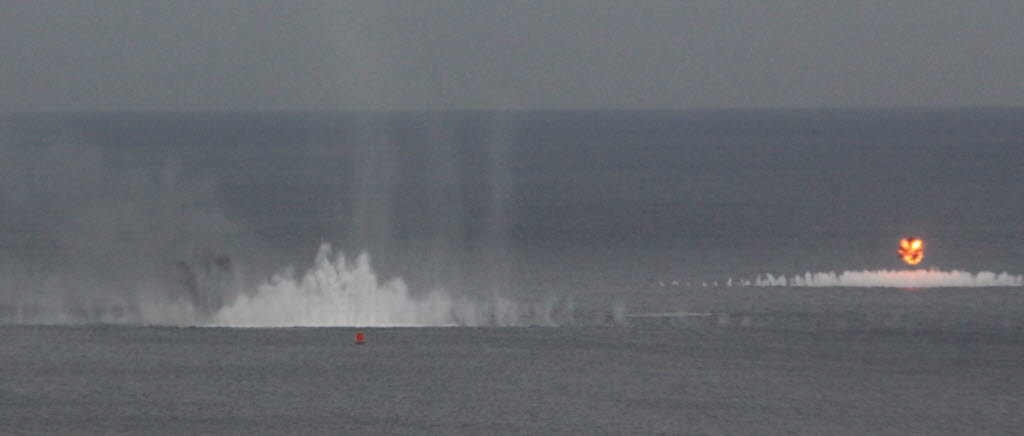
column 911, row 250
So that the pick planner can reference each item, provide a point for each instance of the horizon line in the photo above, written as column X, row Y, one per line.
column 78, row 111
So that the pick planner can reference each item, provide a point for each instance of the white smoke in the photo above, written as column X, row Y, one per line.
column 920, row 278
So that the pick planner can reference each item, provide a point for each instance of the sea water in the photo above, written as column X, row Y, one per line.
column 677, row 272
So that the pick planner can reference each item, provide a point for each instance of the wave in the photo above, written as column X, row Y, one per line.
column 919, row 278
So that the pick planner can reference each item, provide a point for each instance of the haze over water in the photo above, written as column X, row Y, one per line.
column 644, row 243
column 172, row 218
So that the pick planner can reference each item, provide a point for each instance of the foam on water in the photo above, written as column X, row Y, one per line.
column 919, row 278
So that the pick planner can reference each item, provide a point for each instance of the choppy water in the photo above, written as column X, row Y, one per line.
column 620, row 272
column 681, row 379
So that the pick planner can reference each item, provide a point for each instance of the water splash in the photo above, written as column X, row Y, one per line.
column 920, row 278
column 336, row 292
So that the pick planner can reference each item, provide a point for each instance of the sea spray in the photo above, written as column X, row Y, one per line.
column 336, row 292
column 920, row 278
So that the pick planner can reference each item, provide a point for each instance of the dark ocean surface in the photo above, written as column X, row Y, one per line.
column 661, row 272
column 677, row 379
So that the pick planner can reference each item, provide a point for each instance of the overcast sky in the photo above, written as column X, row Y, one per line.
column 477, row 54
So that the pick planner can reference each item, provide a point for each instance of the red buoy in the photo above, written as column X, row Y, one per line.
column 360, row 338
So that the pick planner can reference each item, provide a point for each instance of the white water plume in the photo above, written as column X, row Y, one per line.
column 335, row 292
column 332, row 293
column 92, row 236
column 919, row 278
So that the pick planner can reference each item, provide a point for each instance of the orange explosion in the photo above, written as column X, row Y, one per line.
column 911, row 250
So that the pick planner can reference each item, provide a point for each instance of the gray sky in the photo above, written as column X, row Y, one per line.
column 383, row 54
